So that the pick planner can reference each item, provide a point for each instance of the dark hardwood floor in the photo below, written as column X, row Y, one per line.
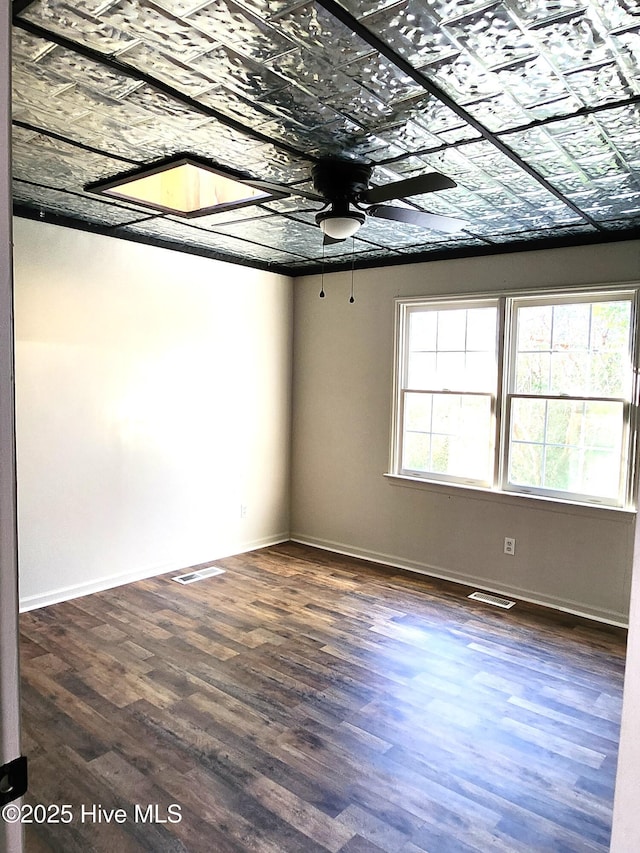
column 304, row 702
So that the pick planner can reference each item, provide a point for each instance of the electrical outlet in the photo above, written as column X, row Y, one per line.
column 509, row 546
column 243, row 510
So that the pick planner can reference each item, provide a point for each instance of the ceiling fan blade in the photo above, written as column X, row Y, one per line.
column 329, row 241
column 283, row 189
column 428, row 183
column 437, row 221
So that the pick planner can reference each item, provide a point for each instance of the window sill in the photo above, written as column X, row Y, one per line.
column 538, row 502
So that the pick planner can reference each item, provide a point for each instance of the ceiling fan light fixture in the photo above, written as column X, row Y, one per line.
column 339, row 226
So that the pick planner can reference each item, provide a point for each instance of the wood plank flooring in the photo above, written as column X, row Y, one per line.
column 304, row 702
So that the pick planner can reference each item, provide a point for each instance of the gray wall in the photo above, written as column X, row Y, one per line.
column 570, row 557
column 153, row 401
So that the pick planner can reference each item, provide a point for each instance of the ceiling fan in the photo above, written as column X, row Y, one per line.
column 344, row 188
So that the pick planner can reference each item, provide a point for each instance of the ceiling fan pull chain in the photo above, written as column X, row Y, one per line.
column 322, row 274
column 353, row 257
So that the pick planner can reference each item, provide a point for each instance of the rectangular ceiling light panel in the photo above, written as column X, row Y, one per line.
column 183, row 187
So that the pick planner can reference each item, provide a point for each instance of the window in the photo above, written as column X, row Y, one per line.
column 528, row 394
column 449, row 391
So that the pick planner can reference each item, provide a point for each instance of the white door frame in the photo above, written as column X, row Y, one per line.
column 10, row 833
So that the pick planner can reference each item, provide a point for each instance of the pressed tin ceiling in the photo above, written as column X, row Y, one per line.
column 531, row 106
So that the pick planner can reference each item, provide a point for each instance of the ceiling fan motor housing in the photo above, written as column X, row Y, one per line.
column 338, row 180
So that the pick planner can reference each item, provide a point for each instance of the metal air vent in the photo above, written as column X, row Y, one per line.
column 495, row 600
column 200, row 574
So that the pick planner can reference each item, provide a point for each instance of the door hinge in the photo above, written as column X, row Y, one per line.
column 13, row 780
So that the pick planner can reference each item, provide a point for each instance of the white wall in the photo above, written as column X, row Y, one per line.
column 153, row 399
column 625, row 836
column 576, row 559
column 10, row 833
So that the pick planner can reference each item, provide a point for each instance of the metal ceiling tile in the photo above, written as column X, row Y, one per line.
column 54, row 163
column 621, row 224
column 343, row 254
column 595, row 86
column 140, row 19
column 574, row 41
column 278, row 232
column 413, row 32
column 185, row 234
column 313, row 72
column 72, row 205
column 492, row 36
column 179, row 8
column 192, row 234
column 240, row 214
column 409, row 136
column 382, row 78
column 498, row 112
column 608, row 198
column 302, row 109
column 466, row 242
column 147, row 100
column 28, row 47
column 66, row 67
column 249, row 112
column 361, row 8
column 627, row 46
column 186, row 79
column 227, row 22
column 463, row 78
column 271, row 164
column 268, row 10
column 535, row 11
column 449, row 10
column 62, row 18
column 544, row 233
column 617, row 14
column 532, row 81
column 224, row 65
column 314, row 28
column 622, row 127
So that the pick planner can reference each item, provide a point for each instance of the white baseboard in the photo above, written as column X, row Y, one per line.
column 608, row 617
column 55, row 596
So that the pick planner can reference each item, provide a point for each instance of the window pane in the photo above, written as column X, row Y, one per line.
column 528, row 420
column 422, row 330
column 534, row 328
column 451, row 374
column 532, row 372
column 452, row 349
column 416, row 452
column 417, row 412
column 452, row 330
column 481, row 329
column 525, row 464
column 448, row 434
column 570, row 373
column 571, row 327
column 579, row 349
column 610, row 325
column 609, row 372
column 422, row 370
column 572, row 446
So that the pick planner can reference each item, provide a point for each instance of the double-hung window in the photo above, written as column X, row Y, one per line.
column 529, row 394
column 448, row 391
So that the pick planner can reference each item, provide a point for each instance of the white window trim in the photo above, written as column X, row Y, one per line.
column 506, row 300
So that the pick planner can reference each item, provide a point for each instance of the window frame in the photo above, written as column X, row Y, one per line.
column 401, row 372
column 506, row 338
